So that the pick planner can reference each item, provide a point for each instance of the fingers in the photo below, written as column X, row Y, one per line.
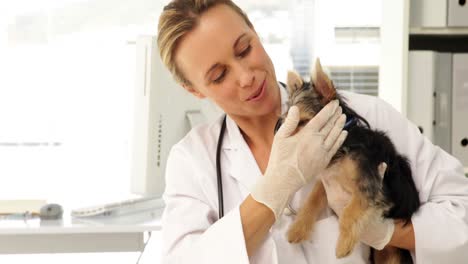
column 322, row 118
column 325, row 178
column 334, row 131
column 290, row 123
column 331, row 123
column 338, row 143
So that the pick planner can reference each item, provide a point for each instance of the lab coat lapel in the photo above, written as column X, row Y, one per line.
column 244, row 168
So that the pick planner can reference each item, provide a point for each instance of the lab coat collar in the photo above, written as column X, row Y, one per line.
column 235, row 138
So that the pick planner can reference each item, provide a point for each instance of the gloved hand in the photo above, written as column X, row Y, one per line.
column 379, row 230
column 296, row 158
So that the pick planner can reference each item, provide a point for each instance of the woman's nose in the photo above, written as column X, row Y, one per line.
column 246, row 76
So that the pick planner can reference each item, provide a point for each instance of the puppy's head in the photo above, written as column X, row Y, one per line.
column 312, row 96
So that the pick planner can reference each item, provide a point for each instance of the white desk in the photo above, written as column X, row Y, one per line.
column 125, row 233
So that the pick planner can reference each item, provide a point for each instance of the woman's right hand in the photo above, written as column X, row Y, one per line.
column 296, row 158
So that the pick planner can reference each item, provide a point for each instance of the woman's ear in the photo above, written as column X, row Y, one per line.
column 193, row 91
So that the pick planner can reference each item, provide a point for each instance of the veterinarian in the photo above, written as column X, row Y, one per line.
column 213, row 51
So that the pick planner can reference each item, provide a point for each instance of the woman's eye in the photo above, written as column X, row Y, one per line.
column 245, row 51
column 220, row 77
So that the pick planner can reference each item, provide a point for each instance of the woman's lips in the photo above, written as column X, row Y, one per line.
column 259, row 94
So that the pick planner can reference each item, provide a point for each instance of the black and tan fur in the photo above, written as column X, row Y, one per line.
column 357, row 165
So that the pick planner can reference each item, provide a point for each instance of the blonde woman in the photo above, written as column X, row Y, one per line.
column 213, row 51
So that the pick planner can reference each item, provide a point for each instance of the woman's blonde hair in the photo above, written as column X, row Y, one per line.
column 178, row 18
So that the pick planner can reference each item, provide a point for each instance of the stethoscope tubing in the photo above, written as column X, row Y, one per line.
column 218, row 169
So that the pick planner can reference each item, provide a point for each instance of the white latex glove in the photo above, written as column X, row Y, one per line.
column 379, row 230
column 296, row 158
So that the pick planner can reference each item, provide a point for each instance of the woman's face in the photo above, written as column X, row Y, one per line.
column 224, row 61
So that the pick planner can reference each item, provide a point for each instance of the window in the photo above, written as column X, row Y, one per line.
column 66, row 97
column 345, row 35
column 358, row 79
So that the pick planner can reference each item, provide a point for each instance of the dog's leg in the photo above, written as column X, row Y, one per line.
column 352, row 221
column 307, row 215
column 388, row 255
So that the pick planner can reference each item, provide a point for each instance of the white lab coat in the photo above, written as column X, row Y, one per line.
column 192, row 234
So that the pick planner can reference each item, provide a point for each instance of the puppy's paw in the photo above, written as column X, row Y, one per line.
column 344, row 246
column 298, row 232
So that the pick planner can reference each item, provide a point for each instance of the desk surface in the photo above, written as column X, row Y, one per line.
column 71, row 235
column 141, row 222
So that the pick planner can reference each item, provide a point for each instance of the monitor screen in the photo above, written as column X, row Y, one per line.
column 164, row 113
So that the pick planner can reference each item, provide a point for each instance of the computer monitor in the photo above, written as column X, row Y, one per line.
column 163, row 114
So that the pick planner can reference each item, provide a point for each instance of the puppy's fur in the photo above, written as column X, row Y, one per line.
column 357, row 165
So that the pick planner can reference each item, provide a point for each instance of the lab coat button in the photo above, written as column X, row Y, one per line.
column 287, row 212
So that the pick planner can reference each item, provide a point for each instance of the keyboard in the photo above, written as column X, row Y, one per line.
column 123, row 207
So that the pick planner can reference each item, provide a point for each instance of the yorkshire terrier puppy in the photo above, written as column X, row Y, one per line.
column 359, row 166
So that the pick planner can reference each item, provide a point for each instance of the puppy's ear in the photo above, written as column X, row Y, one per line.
column 322, row 84
column 294, row 82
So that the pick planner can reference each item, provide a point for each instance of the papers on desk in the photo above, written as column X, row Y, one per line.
column 8, row 207
column 119, row 208
column 141, row 217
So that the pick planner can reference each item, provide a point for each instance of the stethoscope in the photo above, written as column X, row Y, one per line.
column 218, row 169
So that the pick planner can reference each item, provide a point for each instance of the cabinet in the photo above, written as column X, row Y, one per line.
column 438, row 73
column 438, row 29
column 438, row 13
